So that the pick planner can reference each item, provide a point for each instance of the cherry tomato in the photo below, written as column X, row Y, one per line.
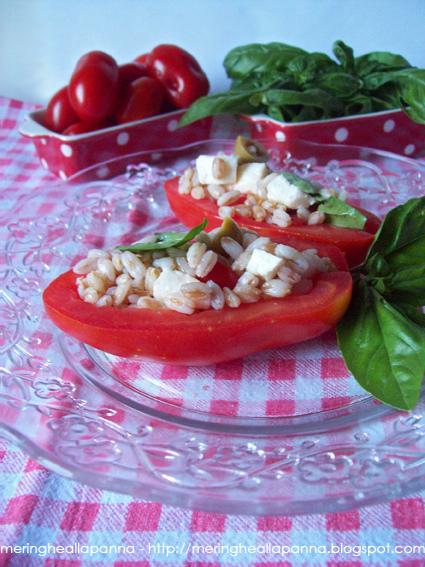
column 128, row 73
column 354, row 243
column 206, row 337
column 94, row 85
column 83, row 127
column 59, row 112
column 143, row 59
column 179, row 72
column 144, row 98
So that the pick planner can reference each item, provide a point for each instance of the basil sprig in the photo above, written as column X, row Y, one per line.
column 382, row 335
column 293, row 85
column 164, row 240
column 337, row 211
column 340, row 213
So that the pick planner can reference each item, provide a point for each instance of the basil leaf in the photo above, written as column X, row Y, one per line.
column 312, row 97
column 412, row 313
column 304, row 184
column 221, row 103
column 340, row 213
column 412, row 89
column 257, row 58
column 340, row 84
column 382, row 348
column 401, row 237
column 164, row 240
column 406, row 284
column 344, row 54
column 379, row 61
column 292, row 85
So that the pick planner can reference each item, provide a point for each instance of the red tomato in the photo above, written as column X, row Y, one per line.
column 206, row 337
column 144, row 98
column 93, row 88
column 179, row 72
column 59, row 112
column 355, row 243
column 143, row 59
column 83, row 127
column 128, row 73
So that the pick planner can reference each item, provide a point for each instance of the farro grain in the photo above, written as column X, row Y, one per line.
column 231, row 247
column 276, row 288
column 217, row 295
column 106, row 267
column 121, row 293
column 207, row 263
column 198, row 192
column 228, row 198
column 195, row 253
column 231, row 299
column 317, row 217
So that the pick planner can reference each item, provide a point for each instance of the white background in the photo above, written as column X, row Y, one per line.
column 40, row 40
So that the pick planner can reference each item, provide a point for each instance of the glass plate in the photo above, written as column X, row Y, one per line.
column 286, row 431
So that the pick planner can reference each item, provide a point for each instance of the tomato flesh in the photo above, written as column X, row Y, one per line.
column 354, row 243
column 206, row 337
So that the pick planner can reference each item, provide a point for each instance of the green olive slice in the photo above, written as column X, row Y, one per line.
column 248, row 150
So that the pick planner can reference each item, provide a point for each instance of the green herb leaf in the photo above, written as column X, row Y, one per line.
column 401, row 237
column 413, row 313
column 345, row 56
column 164, row 240
column 305, row 185
column 396, row 260
column 256, row 58
column 340, row 213
column 221, row 103
column 292, row 85
column 379, row 61
column 382, row 348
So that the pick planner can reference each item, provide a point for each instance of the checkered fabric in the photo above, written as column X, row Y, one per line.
column 40, row 508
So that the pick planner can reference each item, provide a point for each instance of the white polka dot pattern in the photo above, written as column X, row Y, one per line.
column 389, row 126
column 341, row 134
column 172, row 125
column 102, row 172
column 280, row 136
column 123, row 138
column 409, row 149
column 66, row 150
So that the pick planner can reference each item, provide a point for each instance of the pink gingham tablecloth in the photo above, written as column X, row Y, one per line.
column 70, row 525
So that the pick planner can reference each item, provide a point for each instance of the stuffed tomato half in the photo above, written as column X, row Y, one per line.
column 272, row 203
column 201, row 298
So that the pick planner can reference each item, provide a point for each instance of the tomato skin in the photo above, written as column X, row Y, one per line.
column 354, row 243
column 143, row 59
column 94, row 85
column 59, row 112
column 206, row 337
column 83, row 127
column 144, row 98
column 179, row 72
column 128, row 73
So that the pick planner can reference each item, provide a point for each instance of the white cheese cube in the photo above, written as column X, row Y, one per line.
column 206, row 167
column 169, row 283
column 249, row 174
column 280, row 190
column 264, row 264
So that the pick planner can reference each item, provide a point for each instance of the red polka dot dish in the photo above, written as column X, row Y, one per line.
column 390, row 130
column 66, row 155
